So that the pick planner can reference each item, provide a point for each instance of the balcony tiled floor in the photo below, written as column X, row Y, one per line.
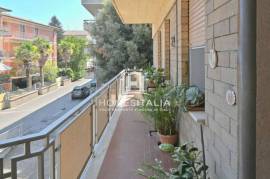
column 130, row 147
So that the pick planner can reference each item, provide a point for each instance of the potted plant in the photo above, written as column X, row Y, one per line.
column 148, row 74
column 154, row 77
column 194, row 99
column 188, row 161
column 161, row 106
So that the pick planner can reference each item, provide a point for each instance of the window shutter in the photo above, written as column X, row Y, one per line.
column 197, row 22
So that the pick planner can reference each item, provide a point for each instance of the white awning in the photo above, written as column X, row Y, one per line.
column 4, row 67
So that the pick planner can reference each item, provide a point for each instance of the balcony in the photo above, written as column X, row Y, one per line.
column 99, row 138
column 92, row 6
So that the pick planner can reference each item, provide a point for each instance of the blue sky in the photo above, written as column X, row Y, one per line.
column 70, row 12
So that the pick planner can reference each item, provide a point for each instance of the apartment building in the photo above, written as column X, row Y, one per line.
column 18, row 30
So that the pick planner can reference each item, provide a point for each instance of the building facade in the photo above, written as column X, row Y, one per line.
column 18, row 30
column 217, row 45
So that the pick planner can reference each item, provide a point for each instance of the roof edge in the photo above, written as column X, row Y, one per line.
column 30, row 21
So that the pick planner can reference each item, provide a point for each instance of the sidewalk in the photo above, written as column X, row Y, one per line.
column 12, row 115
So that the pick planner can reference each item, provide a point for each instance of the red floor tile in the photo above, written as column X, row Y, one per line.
column 131, row 146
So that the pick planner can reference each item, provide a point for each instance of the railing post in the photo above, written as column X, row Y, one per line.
column 95, row 123
column 13, row 169
column 57, row 157
column 116, row 89
column 1, row 168
column 41, row 166
column 52, row 161
column 92, row 135
column 108, row 103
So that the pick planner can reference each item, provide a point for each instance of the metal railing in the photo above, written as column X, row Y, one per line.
column 64, row 147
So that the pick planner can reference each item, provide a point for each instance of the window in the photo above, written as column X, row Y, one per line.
column 197, row 68
column 22, row 28
column 5, row 24
column 36, row 31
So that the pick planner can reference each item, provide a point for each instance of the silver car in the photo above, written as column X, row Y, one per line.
column 80, row 92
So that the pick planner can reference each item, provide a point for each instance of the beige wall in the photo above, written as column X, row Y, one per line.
column 221, row 131
column 162, row 30
column 155, row 50
column 165, row 46
column 182, row 45
column 172, row 17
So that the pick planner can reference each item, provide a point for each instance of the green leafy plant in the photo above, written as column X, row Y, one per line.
column 155, row 77
column 44, row 50
column 161, row 106
column 166, row 147
column 149, row 71
column 188, row 165
column 194, row 96
column 69, row 73
column 118, row 46
column 73, row 52
column 50, row 71
column 66, row 49
column 27, row 53
column 188, row 96
column 5, row 78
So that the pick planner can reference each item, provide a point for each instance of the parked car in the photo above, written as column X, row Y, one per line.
column 80, row 92
column 93, row 83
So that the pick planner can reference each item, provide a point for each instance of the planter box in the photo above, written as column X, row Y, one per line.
column 65, row 81
column 2, row 103
column 19, row 99
column 46, row 89
column 196, row 108
column 58, row 81
column 7, row 86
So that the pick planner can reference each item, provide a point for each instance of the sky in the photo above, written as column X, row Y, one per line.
column 70, row 12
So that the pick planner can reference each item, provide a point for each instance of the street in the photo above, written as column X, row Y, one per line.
column 38, row 113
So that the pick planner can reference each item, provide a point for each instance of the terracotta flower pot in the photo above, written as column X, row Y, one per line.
column 151, row 84
column 168, row 139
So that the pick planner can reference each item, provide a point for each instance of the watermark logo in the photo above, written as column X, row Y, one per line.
column 135, row 105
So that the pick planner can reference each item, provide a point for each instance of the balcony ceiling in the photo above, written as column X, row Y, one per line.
column 92, row 6
column 143, row 11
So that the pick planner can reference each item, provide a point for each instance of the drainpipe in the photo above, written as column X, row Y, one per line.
column 177, row 42
column 247, row 90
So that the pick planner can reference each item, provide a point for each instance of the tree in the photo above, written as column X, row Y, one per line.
column 27, row 53
column 78, row 58
column 72, row 50
column 65, row 49
column 56, row 23
column 118, row 46
column 44, row 50
column 50, row 71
